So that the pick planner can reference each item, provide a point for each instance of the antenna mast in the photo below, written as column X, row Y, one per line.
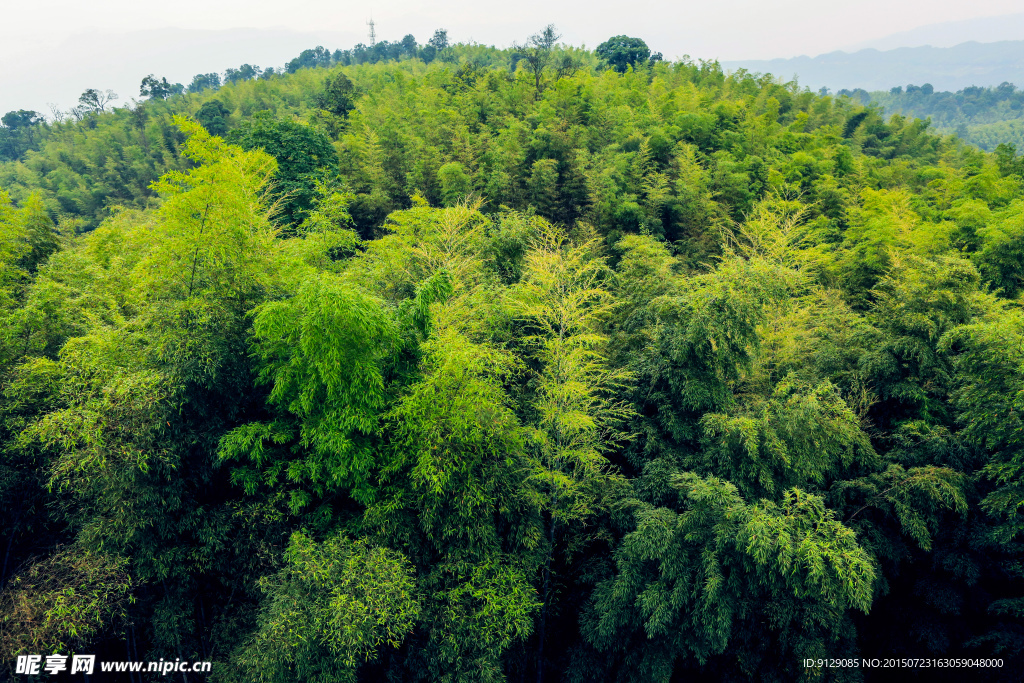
column 373, row 32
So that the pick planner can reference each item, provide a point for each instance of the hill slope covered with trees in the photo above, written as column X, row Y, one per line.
column 493, row 365
column 986, row 117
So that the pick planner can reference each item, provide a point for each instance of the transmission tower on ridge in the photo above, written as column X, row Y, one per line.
column 373, row 32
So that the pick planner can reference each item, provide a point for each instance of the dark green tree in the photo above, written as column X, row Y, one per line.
column 318, row 57
column 338, row 95
column 158, row 90
column 22, row 118
column 622, row 52
column 94, row 101
column 409, row 45
column 213, row 115
column 18, row 132
column 539, row 54
column 201, row 82
column 439, row 41
column 246, row 72
column 303, row 155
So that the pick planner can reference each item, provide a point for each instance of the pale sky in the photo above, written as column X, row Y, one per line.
column 51, row 50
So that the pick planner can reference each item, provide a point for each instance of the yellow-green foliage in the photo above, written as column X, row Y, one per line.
column 332, row 607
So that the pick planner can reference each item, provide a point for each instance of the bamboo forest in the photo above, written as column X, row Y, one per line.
column 452, row 363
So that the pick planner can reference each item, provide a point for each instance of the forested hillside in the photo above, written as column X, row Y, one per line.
column 986, row 117
column 538, row 364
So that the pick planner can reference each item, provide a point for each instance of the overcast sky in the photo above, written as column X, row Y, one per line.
column 50, row 50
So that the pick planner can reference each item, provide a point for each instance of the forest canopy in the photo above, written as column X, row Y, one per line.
column 986, row 117
column 460, row 364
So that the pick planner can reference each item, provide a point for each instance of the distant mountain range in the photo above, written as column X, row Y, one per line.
column 946, row 68
column 950, row 33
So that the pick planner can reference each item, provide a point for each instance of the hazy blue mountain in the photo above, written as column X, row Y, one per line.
column 946, row 68
column 950, row 33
